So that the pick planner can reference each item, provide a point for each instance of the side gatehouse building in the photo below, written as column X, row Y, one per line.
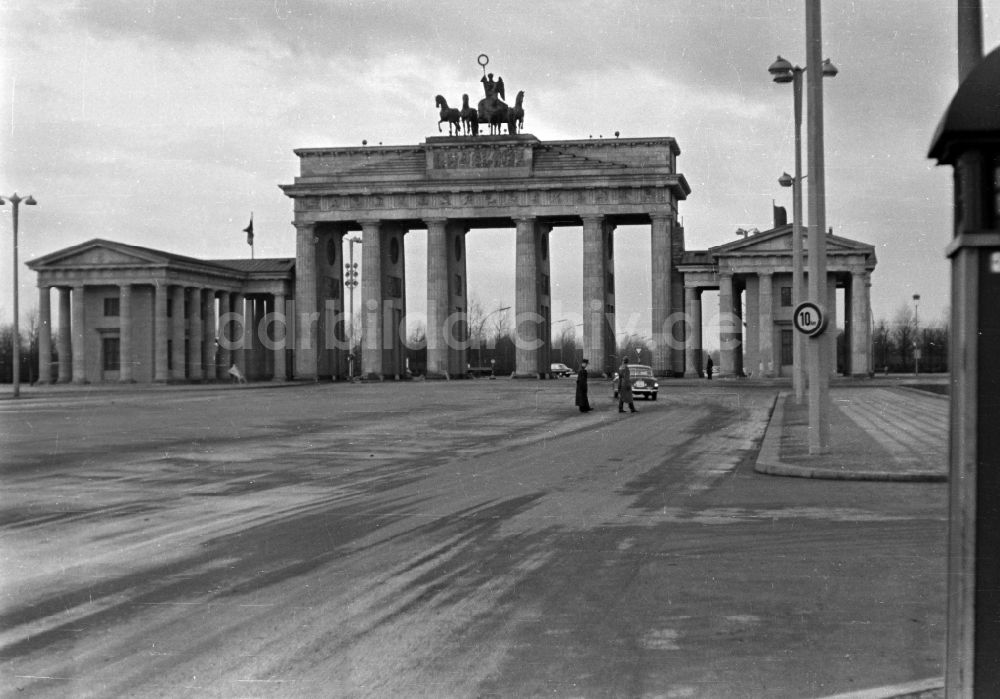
column 136, row 314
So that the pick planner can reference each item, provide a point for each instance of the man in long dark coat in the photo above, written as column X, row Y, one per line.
column 581, row 388
column 625, row 388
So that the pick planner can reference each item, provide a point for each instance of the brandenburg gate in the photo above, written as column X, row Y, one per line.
column 451, row 185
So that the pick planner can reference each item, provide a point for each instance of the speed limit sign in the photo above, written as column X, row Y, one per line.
column 809, row 318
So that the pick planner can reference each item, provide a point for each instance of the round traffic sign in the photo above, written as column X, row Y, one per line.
column 809, row 318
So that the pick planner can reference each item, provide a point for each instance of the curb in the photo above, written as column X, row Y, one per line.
column 913, row 690
column 769, row 461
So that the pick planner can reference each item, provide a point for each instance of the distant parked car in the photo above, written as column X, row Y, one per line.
column 559, row 369
column 643, row 382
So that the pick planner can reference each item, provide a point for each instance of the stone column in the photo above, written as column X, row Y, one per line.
column 160, row 333
column 765, row 314
column 692, row 301
column 280, row 341
column 526, row 299
column 371, row 299
column 437, row 298
column 178, row 356
column 459, row 356
column 248, row 364
column 860, row 323
column 831, row 328
column 306, row 304
column 236, row 331
column 728, row 339
column 208, row 324
column 196, row 334
column 256, row 341
column 125, row 333
column 225, row 325
column 596, row 318
column 661, row 264
column 79, row 330
column 44, row 336
column 65, row 335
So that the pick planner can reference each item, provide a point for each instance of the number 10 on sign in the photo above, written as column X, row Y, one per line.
column 809, row 318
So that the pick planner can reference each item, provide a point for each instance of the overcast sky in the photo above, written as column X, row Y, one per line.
column 164, row 123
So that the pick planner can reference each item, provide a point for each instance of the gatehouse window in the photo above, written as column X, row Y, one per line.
column 786, row 297
column 394, row 250
column 331, row 251
column 458, row 285
column 458, row 248
column 170, row 308
column 110, row 349
column 112, row 306
column 786, row 347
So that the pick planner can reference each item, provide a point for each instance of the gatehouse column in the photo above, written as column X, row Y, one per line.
column 225, row 324
column 196, row 333
column 44, row 335
column 526, row 299
column 256, row 339
column 728, row 339
column 235, row 332
column 248, row 353
column 65, row 336
column 371, row 299
column 860, row 323
column 177, row 354
column 437, row 298
column 161, row 332
column 598, row 314
column 125, row 333
column 306, row 304
column 765, row 315
column 692, row 303
column 79, row 336
column 280, row 341
column 208, row 326
column 662, row 269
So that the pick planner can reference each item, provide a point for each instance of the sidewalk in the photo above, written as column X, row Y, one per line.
column 876, row 433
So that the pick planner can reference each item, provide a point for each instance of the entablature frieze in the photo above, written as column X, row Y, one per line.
column 136, row 277
column 488, row 202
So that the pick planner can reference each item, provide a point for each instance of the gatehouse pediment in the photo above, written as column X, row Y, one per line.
column 779, row 240
column 98, row 253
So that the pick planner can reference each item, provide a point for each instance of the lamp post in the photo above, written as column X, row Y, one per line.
column 818, row 346
column 916, row 335
column 784, row 72
column 351, row 281
column 16, row 354
column 479, row 332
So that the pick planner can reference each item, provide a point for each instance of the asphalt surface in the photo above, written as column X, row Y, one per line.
column 474, row 538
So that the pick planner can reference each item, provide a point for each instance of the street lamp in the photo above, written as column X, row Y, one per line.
column 916, row 334
column 351, row 281
column 784, row 72
column 818, row 345
column 16, row 354
column 479, row 332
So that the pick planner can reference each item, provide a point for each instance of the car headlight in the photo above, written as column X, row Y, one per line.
column 656, row 385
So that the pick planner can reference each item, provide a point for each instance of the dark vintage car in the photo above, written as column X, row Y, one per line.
column 643, row 382
column 559, row 369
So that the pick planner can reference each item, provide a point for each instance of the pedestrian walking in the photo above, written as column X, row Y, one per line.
column 625, row 388
column 582, row 401
column 708, row 368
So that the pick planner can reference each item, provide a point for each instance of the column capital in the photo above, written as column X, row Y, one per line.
column 593, row 219
column 436, row 220
column 662, row 217
column 524, row 219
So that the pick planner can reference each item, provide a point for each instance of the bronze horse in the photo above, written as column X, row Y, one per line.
column 449, row 114
column 517, row 114
column 470, row 118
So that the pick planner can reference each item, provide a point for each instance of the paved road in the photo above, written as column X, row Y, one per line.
column 447, row 539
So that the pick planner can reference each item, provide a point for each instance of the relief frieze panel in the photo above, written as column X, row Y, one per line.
column 469, row 199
